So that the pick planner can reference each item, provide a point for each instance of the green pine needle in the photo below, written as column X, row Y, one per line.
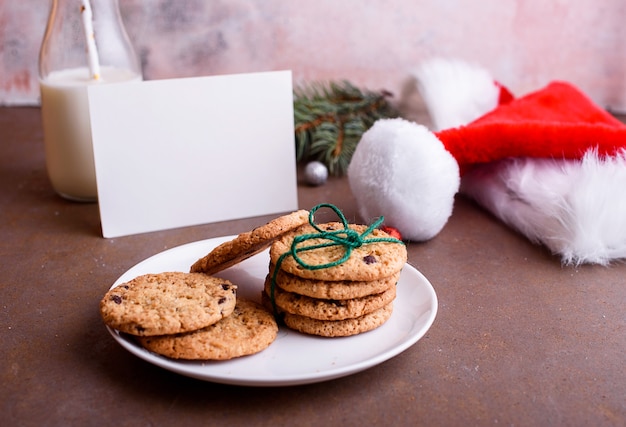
column 330, row 119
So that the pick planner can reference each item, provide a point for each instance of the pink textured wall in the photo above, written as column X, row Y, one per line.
column 374, row 43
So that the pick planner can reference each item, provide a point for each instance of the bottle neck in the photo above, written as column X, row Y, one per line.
column 68, row 31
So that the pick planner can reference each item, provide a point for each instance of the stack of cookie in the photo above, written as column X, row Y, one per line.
column 190, row 316
column 327, row 293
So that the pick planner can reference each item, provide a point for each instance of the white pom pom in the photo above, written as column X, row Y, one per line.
column 402, row 171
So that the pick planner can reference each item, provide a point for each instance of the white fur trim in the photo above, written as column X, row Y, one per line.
column 402, row 171
column 575, row 208
column 455, row 92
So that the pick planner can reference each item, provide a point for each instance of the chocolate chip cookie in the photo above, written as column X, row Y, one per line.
column 167, row 303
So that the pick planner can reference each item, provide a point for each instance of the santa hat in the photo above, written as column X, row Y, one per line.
column 550, row 164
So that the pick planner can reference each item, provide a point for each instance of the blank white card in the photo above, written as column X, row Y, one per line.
column 181, row 152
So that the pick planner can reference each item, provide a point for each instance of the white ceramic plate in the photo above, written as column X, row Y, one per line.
column 293, row 358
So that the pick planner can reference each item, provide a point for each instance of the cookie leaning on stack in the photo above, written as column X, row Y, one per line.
column 249, row 243
column 334, row 279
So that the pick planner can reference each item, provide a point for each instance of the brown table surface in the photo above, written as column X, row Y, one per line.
column 519, row 339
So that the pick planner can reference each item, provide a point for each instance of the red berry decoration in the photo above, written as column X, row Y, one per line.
column 393, row 232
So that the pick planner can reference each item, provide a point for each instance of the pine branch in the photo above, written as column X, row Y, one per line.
column 331, row 118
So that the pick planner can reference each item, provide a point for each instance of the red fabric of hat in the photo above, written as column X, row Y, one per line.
column 558, row 121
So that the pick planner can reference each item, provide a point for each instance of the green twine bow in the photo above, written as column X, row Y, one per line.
column 346, row 237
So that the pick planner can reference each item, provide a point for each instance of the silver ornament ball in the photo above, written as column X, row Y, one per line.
column 316, row 173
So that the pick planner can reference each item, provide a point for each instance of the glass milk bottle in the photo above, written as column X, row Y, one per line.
column 85, row 43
